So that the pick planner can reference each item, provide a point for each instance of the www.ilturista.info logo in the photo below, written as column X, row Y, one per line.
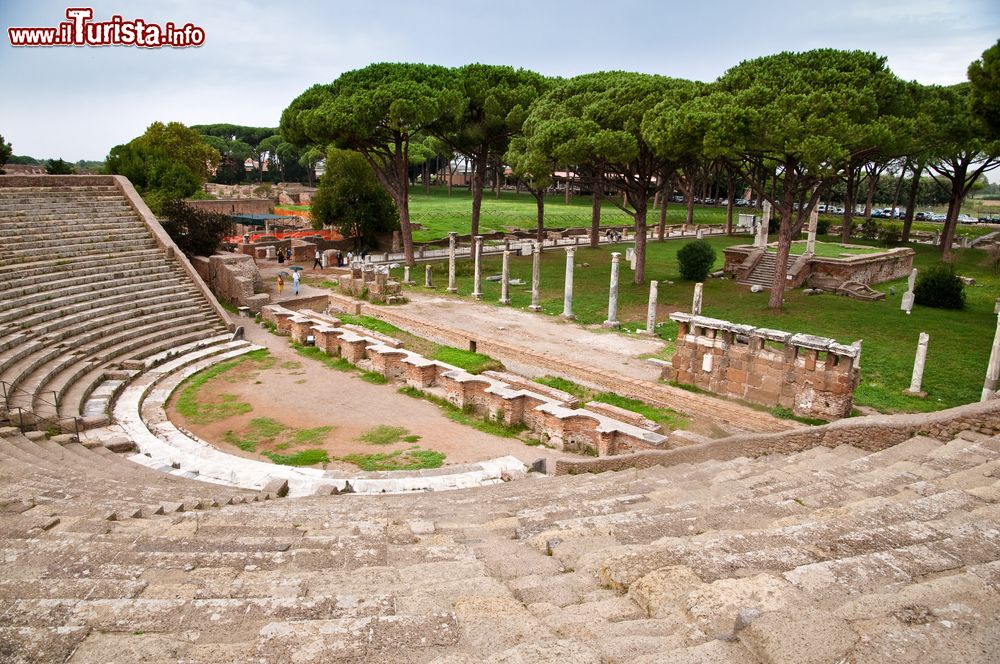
column 79, row 30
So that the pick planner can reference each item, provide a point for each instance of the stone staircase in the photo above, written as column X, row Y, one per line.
column 763, row 272
column 826, row 555
column 87, row 296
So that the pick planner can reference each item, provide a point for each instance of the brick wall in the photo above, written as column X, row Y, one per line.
column 233, row 205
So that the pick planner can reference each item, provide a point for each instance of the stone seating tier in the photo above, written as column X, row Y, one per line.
column 823, row 555
column 86, row 289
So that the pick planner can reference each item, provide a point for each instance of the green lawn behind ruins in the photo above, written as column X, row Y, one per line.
column 959, row 340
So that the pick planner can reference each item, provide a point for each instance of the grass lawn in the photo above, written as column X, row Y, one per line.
column 833, row 249
column 959, row 340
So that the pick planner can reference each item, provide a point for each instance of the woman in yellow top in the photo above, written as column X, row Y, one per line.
column 281, row 284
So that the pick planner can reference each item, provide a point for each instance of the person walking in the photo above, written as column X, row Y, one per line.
column 288, row 254
column 295, row 282
column 281, row 284
column 281, row 257
column 318, row 260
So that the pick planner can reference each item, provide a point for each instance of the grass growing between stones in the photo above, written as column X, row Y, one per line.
column 198, row 408
column 414, row 458
column 466, row 417
column 669, row 419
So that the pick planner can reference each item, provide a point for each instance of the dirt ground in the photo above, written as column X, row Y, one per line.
column 301, row 393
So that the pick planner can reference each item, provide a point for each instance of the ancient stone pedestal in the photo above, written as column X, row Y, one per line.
column 568, row 286
column 406, row 275
column 700, row 234
column 761, row 240
column 477, row 248
column 651, row 308
column 993, row 369
column 505, row 279
column 918, row 366
column 452, row 236
column 813, row 223
column 272, row 254
column 612, row 320
column 696, row 301
column 536, row 275
column 908, row 297
column 428, row 283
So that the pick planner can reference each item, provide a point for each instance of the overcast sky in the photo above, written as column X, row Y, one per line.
column 78, row 102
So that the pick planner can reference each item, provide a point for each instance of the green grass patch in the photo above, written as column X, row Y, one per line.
column 568, row 386
column 231, row 308
column 301, row 458
column 314, row 353
column 474, row 363
column 370, row 322
column 411, row 459
column 193, row 406
column 665, row 417
column 835, row 250
column 384, row 434
column 412, row 438
column 787, row 414
column 374, row 377
column 312, row 436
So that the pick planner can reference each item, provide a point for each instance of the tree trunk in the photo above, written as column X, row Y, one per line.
column 899, row 188
column 785, row 228
column 661, row 228
column 689, row 195
column 539, row 213
column 568, row 183
column 427, row 176
column 870, row 198
column 640, row 240
column 478, row 180
column 730, row 192
column 911, row 201
column 597, row 196
column 954, row 206
column 848, row 227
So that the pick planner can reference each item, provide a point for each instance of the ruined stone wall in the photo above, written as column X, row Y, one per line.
column 829, row 273
column 872, row 434
column 811, row 376
column 233, row 205
column 233, row 278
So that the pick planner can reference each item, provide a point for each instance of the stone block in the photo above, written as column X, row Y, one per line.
column 803, row 635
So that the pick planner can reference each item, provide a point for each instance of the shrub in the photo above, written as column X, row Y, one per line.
column 196, row 232
column 889, row 234
column 993, row 260
column 940, row 287
column 696, row 260
column 822, row 226
column 869, row 229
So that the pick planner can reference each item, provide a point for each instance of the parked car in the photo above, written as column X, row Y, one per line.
column 938, row 217
column 967, row 219
column 709, row 201
column 991, row 219
column 742, row 202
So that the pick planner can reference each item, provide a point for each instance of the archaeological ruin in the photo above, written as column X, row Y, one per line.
column 127, row 538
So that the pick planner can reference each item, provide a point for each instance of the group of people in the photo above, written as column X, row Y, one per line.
column 286, row 255
column 613, row 235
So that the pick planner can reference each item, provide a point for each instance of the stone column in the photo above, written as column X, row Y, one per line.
column 612, row 320
column 993, row 369
column 918, row 365
column 700, row 234
column 452, row 236
column 505, row 279
column 428, row 283
column 536, row 275
column 696, row 302
column 651, row 309
column 568, row 286
column 908, row 297
column 406, row 275
column 811, row 239
column 477, row 248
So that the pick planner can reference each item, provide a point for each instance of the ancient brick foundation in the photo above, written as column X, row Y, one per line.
column 556, row 423
column 828, row 273
column 370, row 283
column 811, row 376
